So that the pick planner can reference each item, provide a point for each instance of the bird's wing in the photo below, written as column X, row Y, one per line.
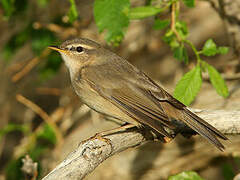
column 128, row 97
column 146, row 102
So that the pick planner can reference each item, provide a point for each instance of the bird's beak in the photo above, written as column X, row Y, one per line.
column 56, row 48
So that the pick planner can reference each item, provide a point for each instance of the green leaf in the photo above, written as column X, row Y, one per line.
column 13, row 127
column 72, row 13
column 223, row 50
column 48, row 134
column 187, row 175
column 112, row 16
column 13, row 169
column 189, row 3
column 237, row 161
column 51, row 67
column 12, row 7
column 171, row 39
column 209, row 48
column 181, row 28
column 188, row 86
column 228, row 172
column 15, row 42
column 180, row 53
column 143, row 12
column 41, row 39
column 160, row 24
column 8, row 6
column 217, row 81
column 174, row 43
column 37, row 150
column 185, row 56
column 169, row 36
column 42, row 3
column 204, row 66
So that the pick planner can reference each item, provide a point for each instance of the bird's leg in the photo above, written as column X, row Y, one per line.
column 125, row 126
column 156, row 136
column 160, row 137
column 100, row 136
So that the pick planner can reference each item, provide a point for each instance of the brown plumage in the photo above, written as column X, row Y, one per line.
column 112, row 86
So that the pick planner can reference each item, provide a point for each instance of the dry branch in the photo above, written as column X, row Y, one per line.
column 92, row 152
column 30, row 65
column 38, row 110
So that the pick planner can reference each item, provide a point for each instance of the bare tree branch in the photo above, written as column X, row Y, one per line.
column 92, row 152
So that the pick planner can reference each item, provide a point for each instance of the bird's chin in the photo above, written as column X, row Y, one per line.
column 70, row 63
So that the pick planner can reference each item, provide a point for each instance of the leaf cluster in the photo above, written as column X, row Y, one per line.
column 190, row 84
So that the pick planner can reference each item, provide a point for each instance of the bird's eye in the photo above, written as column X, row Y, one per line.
column 79, row 49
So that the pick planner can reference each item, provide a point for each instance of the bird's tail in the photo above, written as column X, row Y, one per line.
column 203, row 128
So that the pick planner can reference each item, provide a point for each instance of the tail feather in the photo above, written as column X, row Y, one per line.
column 207, row 125
column 204, row 129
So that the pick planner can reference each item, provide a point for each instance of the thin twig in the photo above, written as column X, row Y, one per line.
column 35, row 108
column 175, row 7
column 49, row 91
column 31, row 64
column 31, row 139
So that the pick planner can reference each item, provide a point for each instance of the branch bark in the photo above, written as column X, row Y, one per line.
column 93, row 151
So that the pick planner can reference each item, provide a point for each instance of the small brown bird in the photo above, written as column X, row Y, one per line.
column 112, row 86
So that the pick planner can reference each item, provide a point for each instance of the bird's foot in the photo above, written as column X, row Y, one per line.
column 167, row 139
column 100, row 137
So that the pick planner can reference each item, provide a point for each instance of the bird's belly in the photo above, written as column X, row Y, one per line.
column 96, row 102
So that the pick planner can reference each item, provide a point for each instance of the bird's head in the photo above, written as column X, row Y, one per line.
column 79, row 52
